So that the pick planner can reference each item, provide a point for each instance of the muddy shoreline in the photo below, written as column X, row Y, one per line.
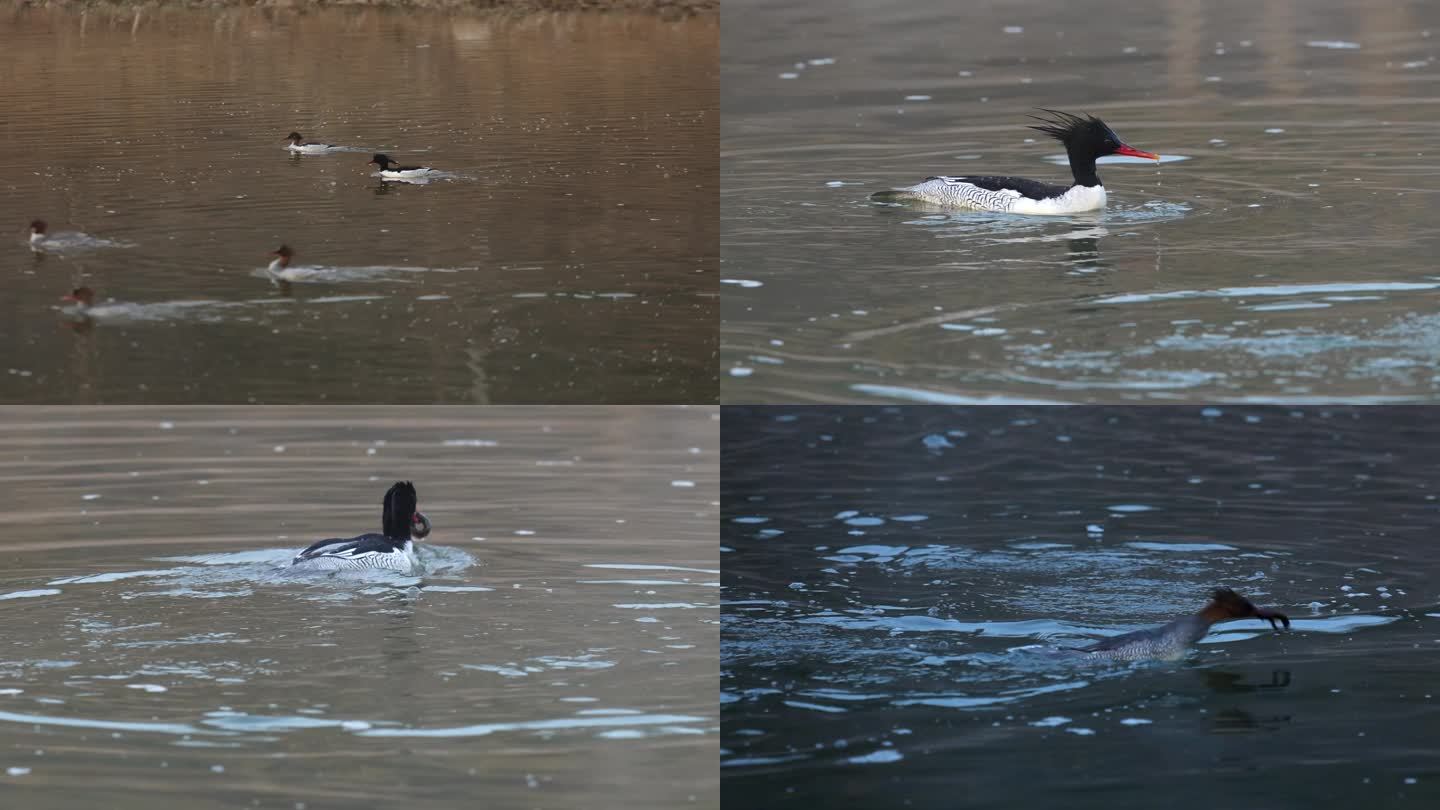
column 669, row 7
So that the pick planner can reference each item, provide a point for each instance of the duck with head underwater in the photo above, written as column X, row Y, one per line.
column 1086, row 140
column 1172, row 641
column 394, row 549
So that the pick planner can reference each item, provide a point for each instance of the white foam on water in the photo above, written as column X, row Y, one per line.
column 1271, row 290
column 29, row 594
column 563, row 724
column 113, row 576
column 943, row 398
column 643, row 567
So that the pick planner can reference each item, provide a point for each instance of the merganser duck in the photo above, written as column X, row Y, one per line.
column 390, row 169
column 41, row 238
column 1085, row 139
column 83, row 298
column 83, row 313
column 393, row 550
column 1171, row 641
column 279, row 269
column 299, row 144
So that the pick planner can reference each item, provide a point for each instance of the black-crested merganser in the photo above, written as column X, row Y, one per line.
column 394, row 550
column 1086, row 139
column 299, row 144
column 390, row 169
column 1171, row 641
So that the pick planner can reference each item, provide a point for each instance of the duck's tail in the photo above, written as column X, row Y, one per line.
column 894, row 195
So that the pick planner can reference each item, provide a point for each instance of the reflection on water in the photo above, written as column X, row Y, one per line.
column 575, row 203
column 1304, row 163
column 560, row 643
column 897, row 581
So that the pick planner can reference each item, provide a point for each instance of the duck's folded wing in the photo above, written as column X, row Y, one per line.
column 1015, row 186
column 349, row 548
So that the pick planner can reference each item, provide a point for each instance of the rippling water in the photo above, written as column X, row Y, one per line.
column 1286, row 258
column 559, row 646
column 894, row 577
column 564, row 255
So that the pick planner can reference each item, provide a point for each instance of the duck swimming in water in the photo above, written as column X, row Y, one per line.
column 394, row 550
column 390, row 168
column 299, row 144
column 279, row 268
column 1086, row 139
column 41, row 239
column 1171, row 641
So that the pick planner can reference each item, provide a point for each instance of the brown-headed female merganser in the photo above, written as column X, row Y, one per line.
column 83, row 298
column 1171, row 641
column 279, row 269
column 394, row 549
column 41, row 239
column 299, row 144
column 1086, row 139
column 392, row 170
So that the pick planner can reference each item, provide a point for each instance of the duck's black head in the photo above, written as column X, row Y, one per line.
column 294, row 137
column 381, row 160
column 399, row 518
column 1086, row 139
column 283, row 252
column 37, row 226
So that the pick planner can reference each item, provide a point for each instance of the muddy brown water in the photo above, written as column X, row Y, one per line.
column 565, row 255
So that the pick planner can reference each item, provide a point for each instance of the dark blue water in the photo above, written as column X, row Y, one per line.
column 894, row 577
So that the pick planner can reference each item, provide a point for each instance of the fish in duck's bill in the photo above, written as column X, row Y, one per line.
column 393, row 549
column 1172, row 641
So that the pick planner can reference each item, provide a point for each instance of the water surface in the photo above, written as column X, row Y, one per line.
column 1282, row 252
column 559, row 650
column 564, row 255
column 894, row 580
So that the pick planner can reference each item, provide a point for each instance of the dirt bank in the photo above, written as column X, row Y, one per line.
column 658, row 6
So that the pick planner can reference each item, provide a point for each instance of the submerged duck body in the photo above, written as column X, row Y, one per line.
column 1086, row 139
column 393, row 549
column 1172, row 641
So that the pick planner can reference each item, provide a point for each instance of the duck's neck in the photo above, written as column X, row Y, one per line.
column 1212, row 613
column 396, row 523
column 1083, row 167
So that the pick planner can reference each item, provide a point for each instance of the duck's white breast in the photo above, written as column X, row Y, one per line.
column 1073, row 201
